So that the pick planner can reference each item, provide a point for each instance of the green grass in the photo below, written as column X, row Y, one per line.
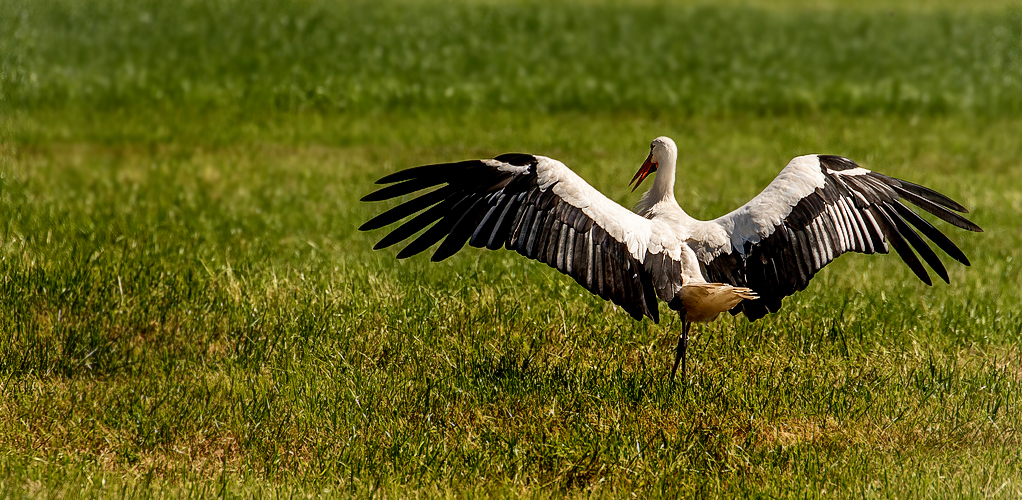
column 187, row 309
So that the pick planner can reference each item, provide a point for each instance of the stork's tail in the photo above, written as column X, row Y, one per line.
column 704, row 301
column 745, row 293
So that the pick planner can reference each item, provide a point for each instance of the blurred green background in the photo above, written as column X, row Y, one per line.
column 655, row 57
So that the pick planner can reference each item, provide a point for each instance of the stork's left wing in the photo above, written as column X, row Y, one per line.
column 819, row 207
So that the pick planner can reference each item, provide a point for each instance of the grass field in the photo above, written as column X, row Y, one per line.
column 187, row 309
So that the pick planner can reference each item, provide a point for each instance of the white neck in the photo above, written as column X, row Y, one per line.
column 662, row 190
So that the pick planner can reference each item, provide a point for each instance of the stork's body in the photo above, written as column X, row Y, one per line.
column 817, row 208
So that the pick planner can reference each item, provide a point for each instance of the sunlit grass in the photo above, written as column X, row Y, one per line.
column 195, row 310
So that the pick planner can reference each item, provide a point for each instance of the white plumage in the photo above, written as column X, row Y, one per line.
column 817, row 208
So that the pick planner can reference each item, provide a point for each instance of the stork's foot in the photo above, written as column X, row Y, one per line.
column 679, row 353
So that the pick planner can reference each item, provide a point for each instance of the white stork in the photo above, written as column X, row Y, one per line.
column 818, row 207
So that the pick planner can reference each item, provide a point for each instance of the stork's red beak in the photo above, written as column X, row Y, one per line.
column 648, row 167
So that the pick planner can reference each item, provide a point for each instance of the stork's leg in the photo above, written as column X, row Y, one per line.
column 679, row 353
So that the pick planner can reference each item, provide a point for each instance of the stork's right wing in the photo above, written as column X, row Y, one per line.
column 539, row 208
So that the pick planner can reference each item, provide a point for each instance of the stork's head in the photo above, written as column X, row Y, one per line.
column 662, row 151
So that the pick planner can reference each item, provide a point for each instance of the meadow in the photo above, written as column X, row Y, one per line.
column 187, row 308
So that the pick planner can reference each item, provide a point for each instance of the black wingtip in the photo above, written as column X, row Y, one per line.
column 972, row 226
column 897, row 241
column 405, row 253
column 934, row 196
column 938, row 210
column 378, row 195
column 401, row 175
column 437, row 256
column 921, row 273
column 373, row 224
